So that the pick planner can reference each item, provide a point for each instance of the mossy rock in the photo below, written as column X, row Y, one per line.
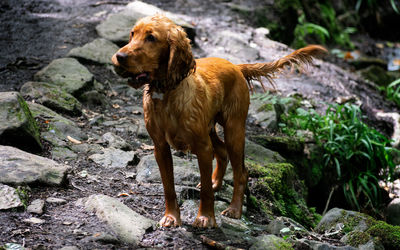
column 377, row 75
column 278, row 191
column 18, row 128
column 360, row 228
column 52, row 97
column 283, row 144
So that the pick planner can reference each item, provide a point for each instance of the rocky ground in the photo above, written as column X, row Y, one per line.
column 78, row 171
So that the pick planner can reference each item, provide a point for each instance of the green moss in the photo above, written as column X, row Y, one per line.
column 282, row 144
column 357, row 238
column 389, row 235
column 279, row 192
column 31, row 126
column 266, row 107
column 284, row 245
column 23, row 194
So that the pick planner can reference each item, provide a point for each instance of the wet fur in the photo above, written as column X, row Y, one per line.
column 183, row 100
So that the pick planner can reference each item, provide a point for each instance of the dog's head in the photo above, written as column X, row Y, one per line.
column 158, row 53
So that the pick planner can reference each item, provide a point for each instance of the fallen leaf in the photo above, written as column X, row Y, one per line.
column 73, row 140
column 116, row 106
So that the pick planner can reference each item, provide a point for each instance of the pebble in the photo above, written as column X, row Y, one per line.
column 36, row 206
column 34, row 220
column 55, row 200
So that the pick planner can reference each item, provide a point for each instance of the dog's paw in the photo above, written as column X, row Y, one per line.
column 205, row 221
column 216, row 186
column 170, row 221
column 232, row 212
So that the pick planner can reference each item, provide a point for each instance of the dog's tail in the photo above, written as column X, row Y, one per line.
column 257, row 70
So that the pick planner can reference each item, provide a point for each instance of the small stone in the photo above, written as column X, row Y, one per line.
column 114, row 158
column 36, row 206
column 69, row 248
column 9, row 198
column 55, row 200
column 34, row 220
column 115, row 141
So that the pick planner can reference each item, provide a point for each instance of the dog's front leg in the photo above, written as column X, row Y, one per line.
column 205, row 216
column 172, row 217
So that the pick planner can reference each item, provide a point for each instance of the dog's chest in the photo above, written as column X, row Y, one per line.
column 173, row 120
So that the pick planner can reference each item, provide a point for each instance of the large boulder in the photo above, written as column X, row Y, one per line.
column 117, row 27
column 18, row 167
column 52, row 97
column 17, row 126
column 67, row 74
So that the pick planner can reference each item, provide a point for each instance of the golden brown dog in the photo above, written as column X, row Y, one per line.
column 183, row 100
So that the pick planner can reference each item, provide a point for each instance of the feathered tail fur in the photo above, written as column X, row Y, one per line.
column 257, row 70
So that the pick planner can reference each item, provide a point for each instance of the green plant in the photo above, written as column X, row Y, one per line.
column 356, row 154
column 392, row 91
column 372, row 4
column 327, row 29
column 303, row 29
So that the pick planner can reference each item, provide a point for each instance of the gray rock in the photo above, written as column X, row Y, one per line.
column 36, row 207
column 393, row 212
column 235, row 43
column 115, row 141
column 270, row 242
column 17, row 126
column 62, row 153
column 18, row 167
column 117, row 27
column 260, row 154
column 58, row 130
column 189, row 209
column 316, row 245
column 335, row 217
column 9, row 198
column 185, row 172
column 52, row 97
column 142, row 131
column 264, row 113
column 93, row 98
column 99, row 50
column 67, row 74
column 54, row 200
column 275, row 226
column 113, row 158
column 126, row 223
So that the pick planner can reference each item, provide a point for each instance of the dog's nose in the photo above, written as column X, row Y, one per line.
column 121, row 57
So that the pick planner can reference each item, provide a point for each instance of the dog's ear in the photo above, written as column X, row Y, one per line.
column 181, row 62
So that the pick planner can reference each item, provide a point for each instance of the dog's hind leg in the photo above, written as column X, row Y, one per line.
column 221, row 155
column 234, row 141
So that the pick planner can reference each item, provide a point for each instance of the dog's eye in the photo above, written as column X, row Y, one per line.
column 150, row 38
column 132, row 33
